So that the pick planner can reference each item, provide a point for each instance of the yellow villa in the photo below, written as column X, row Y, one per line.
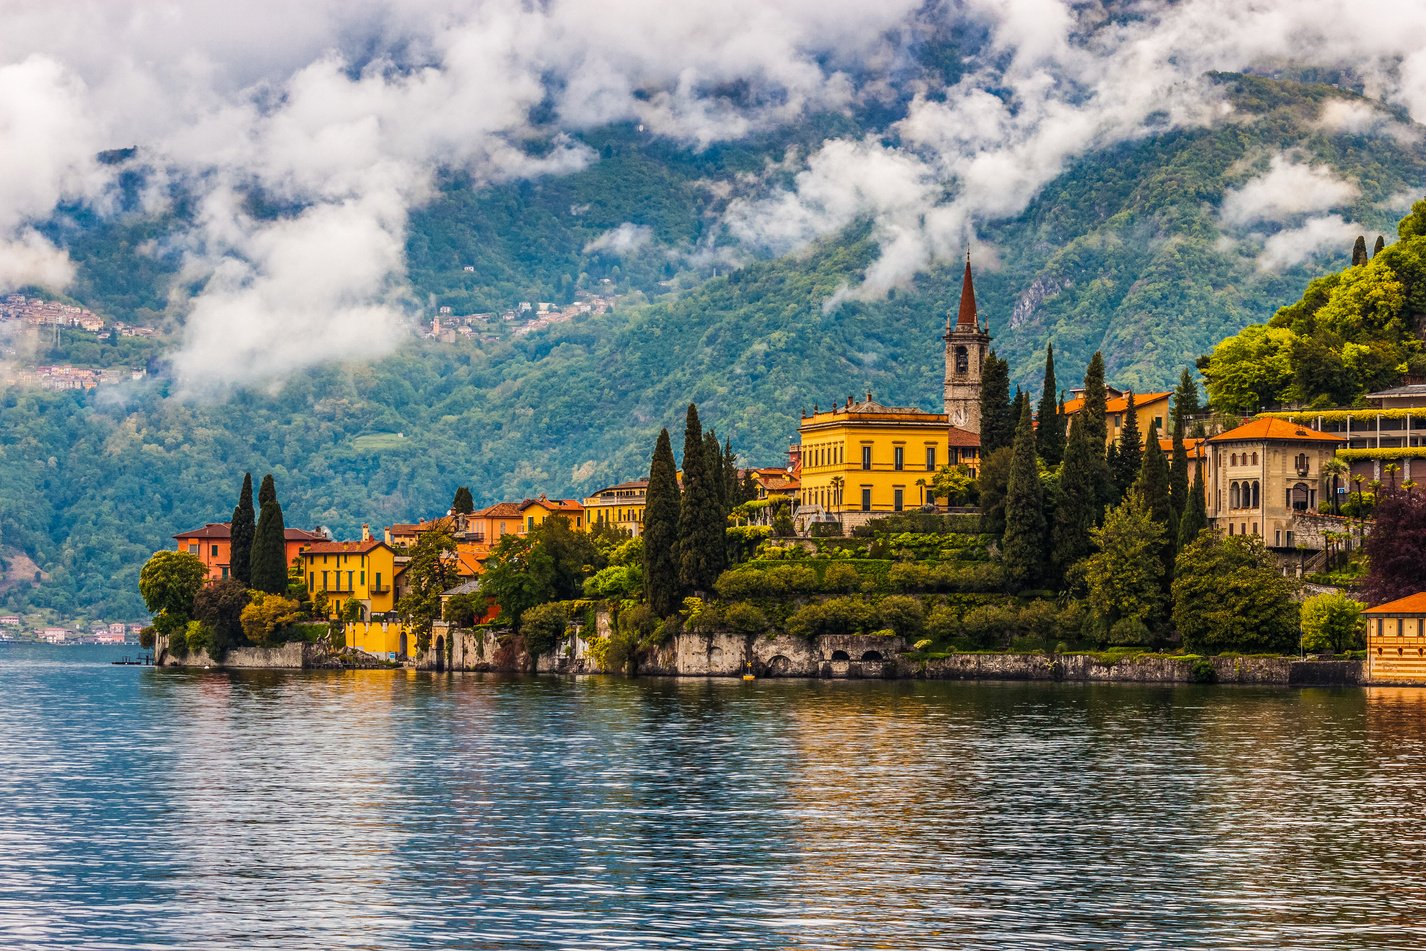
column 1149, row 409
column 864, row 458
column 1396, row 641
column 364, row 572
column 618, row 506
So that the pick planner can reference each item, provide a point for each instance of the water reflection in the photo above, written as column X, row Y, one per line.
column 395, row 809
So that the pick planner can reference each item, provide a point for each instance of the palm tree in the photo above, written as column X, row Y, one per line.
column 1410, row 486
column 1391, row 470
column 1335, row 468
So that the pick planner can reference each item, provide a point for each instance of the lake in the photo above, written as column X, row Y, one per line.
column 390, row 809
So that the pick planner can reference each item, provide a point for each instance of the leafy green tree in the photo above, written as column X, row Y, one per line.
column 219, row 605
column 1129, row 450
column 1229, row 596
column 992, row 484
column 1080, row 501
column 1250, row 370
column 463, row 503
column 1023, row 549
column 268, row 618
column 168, row 583
column 997, row 426
column 1050, row 432
column 269, row 559
column 1359, row 251
column 1195, row 515
column 661, row 511
column 1332, row 623
column 542, row 626
column 954, row 484
column 1394, row 547
column 547, row 564
column 241, row 534
column 429, row 574
column 702, row 545
column 1096, row 399
column 1125, row 574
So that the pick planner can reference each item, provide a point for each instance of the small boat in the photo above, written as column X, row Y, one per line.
column 144, row 661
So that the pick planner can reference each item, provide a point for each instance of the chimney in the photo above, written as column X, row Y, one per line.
column 868, row 396
column 365, row 532
column 386, row 536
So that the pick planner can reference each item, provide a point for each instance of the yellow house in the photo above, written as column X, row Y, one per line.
column 535, row 512
column 863, row 459
column 619, row 506
column 1149, row 408
column 1396, row 640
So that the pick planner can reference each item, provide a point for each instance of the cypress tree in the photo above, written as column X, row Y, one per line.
column 713, row 470
column 732, row 489
column 240, row 544
column 1380, row 243
column 463, row 503
column 701, row 522
column 1153, row 485
column 1079, row 504
column 1130, row 454
column 1185, row 401
column 1096, row 397
column 661, row 511
column 267, row 493
column 1359, row 251
column 1050, row 436
column 1023, row 549
column 1195, row 514
column 1178, row 480
column 997, row 426
column 1018, row 406
column 269, row 558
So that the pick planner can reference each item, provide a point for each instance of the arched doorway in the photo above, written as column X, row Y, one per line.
column 840, row 655
column 778, row 666
column 872, row 656
column 440, row 653
column 401, row 646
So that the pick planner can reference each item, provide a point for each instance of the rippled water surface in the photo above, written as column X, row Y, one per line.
column 380, row 809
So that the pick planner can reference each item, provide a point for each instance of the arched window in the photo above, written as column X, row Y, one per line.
column 1257, row 499
column 1255, row 458
column 1233, row 496
column 962, row 360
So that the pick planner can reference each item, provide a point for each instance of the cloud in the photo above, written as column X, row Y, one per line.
column 1309, row 240
column 621, row 241
column 1286, row 190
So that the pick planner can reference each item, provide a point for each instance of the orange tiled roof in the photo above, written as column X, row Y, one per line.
column 1118, row 404
column 1267, row 428
column 344, row 548
column 554, row 505
column 225, row 530
column 773, row 484
column 1411, row 604
column 499, row 510
column 1191, row 444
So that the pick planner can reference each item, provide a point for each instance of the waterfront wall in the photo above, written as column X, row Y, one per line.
column 292, row 656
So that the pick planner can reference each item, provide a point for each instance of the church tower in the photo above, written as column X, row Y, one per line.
column 967, row 343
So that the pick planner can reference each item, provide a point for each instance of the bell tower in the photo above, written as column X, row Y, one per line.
column 967, row 343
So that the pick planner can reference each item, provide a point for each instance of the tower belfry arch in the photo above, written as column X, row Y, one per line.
column 967, row 343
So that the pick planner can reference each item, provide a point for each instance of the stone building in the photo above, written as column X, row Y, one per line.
column 967, row 343
column 1262, row 475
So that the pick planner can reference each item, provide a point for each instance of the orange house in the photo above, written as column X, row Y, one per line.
column 213, row 544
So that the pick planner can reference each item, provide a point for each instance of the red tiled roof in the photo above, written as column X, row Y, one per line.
column 1192, row 445
column 1267, row 428
column 1411, row 604
column 964, row 439
column 500, row 510
column 211, row 530
column 966, row 317
column 554, row 505
column 774, row 484
column 345, row 548
column 302, row 535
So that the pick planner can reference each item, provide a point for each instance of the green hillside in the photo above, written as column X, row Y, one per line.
column 1121, row 252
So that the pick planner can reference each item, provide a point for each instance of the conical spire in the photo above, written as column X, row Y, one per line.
column 967, row 318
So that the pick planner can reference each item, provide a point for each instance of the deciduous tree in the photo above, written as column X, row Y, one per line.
column 1332, row 622
column 168, row 583
column 1125, row 574
column 430, row 573
column 1395, row 546
column 1229, row 596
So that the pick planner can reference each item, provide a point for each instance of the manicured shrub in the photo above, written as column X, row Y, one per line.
column 903, row 614
column 841, row 578
column 846, row 615
column 542, row 627
column 743, row 618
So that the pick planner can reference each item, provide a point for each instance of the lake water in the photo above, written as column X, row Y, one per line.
column 380, row 809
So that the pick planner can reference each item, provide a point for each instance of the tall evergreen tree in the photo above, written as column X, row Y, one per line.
column 1079, row 504
column 1380, row 244
column 1096, row 396
column 1195, row 513
column 702, row 541
column 463, row 503
column 661, row 511
column 1178, row 480
column 1153, row 484
column 267, row 493
column 1359, row 251
column 1185, row 401
column 713, row 470
column 732, row 489
column 1023, row 549
column 1050, row 436
column 240, row 544
column 1018, row 406
column 997, row 426
column 1130, row 448
column 269, row 558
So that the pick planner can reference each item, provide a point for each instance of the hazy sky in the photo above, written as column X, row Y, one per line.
column 348, row 109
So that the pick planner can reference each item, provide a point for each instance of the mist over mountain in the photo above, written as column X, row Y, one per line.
column 780, row 196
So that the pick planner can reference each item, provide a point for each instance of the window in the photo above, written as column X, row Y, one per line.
column 1230, row 529
column 225, row 571
column 213, row 550
column 898, row 498
column 930, row 458
column 1257, row 498
column 362, row 578
column 530, row 523
column 898, row 456
column 349, row 581
column 378, row 581
column 866, row 498
column 193, row 548
column 866, row 457
column 1255, row 458
column 962, row 360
